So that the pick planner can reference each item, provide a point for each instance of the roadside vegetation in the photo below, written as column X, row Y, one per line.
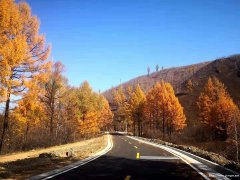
column 159, row 114
column 39, row 107
column 190, row 106
column 30, row 163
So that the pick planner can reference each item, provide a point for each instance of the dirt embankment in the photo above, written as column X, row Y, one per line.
column 27, row 164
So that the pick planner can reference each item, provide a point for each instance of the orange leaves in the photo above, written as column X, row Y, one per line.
column 158, row 109
column 21, row 47
column 47, row 100
column 136, row 105
column 9, row 17
column 89, row 125
column 22, row 51
column 216, row 108
column 137, row 102
column 214, row 101
column 95, row 113
column 121, row 105
column 119, row 96
column 105, row 114
column 163, row 109
column 14, row 51
column 174, row 108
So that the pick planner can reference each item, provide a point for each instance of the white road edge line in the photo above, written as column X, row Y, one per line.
column 51, row 174
column 188, row 160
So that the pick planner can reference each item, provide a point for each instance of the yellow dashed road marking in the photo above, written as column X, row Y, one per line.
column 127, row 177
column 135, row 147
column 138, row 156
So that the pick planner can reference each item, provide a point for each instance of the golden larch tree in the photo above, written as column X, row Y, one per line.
column 136, row 105
column 163, row 109
column 23, row 52
column 105, row 114
column 152, row 111
column 87, row 104
column 54, row 91
column 176, row 119
column 216, row 108
column 29, row 112
column 121, row 114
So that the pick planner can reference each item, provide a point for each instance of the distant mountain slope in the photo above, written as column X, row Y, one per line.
column 226, row 70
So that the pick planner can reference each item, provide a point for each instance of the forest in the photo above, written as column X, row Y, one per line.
column 40, row 109
column 159, row 114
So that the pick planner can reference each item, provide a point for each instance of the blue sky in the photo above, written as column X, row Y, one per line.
column 105, row 41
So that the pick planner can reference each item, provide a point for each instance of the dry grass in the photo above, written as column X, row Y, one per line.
column 27, row 164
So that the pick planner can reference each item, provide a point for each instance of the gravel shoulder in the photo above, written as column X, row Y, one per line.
column 27, row 164
column 214, row 157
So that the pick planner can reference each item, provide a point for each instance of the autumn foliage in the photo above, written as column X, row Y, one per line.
column 23, row 53
column 39, row 107
column 121, row 116
column 158, row 110
column 94, row 109
column 136, row 105
column 163, row 110
column 216, row 108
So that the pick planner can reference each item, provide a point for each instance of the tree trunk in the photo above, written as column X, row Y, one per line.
column 236, row 139
column 5, row 122
column 51, row 123
column 163, row 125
column 171, row 129
column 26, row 132
column 139, row 133
column 167, row 127
column 156, row 122
column 157, row 125
column 150, row 121
column 134, row 133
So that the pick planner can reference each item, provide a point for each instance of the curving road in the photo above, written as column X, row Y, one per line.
column 131, row 159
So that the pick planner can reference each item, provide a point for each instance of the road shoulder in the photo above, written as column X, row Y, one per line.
column 30, row 166
column 205, row 171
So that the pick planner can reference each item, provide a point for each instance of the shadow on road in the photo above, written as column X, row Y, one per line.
column 111, row 167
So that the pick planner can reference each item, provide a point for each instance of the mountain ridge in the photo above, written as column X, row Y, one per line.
column 226, row 69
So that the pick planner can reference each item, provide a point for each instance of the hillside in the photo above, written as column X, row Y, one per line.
column 226, row 70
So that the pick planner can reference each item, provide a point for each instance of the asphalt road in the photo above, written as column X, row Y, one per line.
column 122, row 163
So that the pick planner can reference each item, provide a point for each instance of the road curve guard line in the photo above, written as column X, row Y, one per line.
column 213, row 165
column 196, row 165
column 56, row 172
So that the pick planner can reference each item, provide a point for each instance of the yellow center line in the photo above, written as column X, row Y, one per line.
column 127, row 177
column 135, row 147
column 138, row 156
